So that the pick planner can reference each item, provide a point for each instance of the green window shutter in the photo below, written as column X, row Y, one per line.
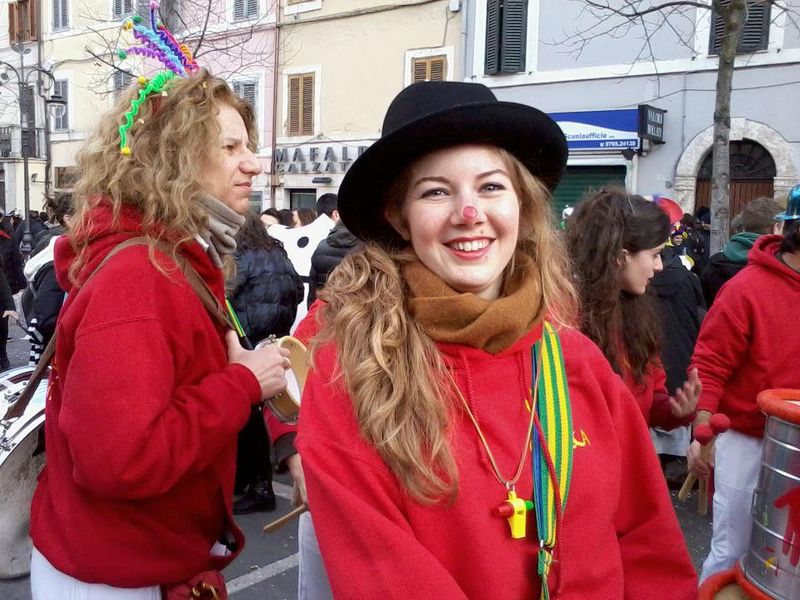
column 492, row 37
column 514, row 36
column 754, row 35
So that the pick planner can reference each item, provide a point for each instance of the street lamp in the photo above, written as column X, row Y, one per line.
column 55, row 106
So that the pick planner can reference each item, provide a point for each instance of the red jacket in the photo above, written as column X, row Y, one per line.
column 652, row 398
column 748, row 341
column 620, row 537
column 141, row 420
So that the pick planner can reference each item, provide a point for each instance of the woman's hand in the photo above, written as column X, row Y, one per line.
column 295, row 466
column 684, row 402
column 10, row 313
column 268, row 364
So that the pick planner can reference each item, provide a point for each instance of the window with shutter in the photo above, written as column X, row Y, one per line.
column 61, row 88
column 247, row 90
column 120, row 81
column 301, row 104
column 433, row 68
column 755, row 33
column 506, row 36
column 245, row 9
column 60, row 15
column 123, row 8
column 22, row 24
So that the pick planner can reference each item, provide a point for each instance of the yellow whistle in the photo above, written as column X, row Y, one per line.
column 515, row 510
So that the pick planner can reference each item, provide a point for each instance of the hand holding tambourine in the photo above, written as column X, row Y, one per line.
column 285, row 405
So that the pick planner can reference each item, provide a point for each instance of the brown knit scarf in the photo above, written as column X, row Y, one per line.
column 492, row 325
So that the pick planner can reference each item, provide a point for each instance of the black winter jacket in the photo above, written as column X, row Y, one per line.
column 266, row 292
column 330, row 252
column 11, row 262
column 719, row 271
column 682, row 309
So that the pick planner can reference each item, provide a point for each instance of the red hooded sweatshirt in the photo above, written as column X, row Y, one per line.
column 619, row 538
column 142, row 415
column 748, row 341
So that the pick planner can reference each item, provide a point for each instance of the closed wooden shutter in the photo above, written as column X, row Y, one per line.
column 432, row 68
column 515, row 29
column 294, row 106
column 123, row 8
column 506, row 36
column 755, row 33
column 247, row 91
column 492, row 37
column 252, row 8
column 238, row 10
column 308, row 105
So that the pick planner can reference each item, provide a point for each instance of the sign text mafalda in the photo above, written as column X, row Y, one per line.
column 316, row 159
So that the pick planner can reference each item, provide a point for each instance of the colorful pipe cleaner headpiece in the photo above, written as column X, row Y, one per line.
column 157, row 42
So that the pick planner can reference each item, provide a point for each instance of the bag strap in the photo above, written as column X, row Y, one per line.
column 193, row 278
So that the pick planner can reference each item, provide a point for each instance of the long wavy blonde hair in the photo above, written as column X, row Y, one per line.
column 393, row 371
column 169, row 139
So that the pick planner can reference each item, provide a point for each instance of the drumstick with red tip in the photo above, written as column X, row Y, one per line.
column 704, row 435
column 718, row 423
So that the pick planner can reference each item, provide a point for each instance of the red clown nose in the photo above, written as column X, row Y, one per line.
column 470, row 213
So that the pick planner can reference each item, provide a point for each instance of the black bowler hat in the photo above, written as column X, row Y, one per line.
column 432, row 115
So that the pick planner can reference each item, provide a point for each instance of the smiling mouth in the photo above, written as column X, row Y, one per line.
column 469, row 245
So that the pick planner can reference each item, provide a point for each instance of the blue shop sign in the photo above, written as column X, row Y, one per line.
column 600, row 129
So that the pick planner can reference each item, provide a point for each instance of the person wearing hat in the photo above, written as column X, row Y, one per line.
column 742, row 349
column 460, row 438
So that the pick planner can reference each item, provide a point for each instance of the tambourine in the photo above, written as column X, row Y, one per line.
column 286, row 405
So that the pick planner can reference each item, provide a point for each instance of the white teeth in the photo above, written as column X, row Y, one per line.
column 471, row 246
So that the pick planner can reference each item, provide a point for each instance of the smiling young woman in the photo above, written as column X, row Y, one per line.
column 449, row 392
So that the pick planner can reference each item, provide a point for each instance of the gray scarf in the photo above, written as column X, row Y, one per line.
column 223, row 224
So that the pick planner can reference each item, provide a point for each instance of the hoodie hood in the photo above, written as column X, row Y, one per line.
column 738, row 247
column 105, row 232
column 764, row 256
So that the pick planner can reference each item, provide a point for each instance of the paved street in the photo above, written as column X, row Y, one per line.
column 267, row 568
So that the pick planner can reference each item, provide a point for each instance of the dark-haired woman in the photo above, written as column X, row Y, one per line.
column 265, row 296
column 615, row 240
column 303, row 216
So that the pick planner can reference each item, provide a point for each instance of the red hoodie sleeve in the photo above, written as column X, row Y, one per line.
column 661, row 411
column 344, row 481
column 721, row 347
column 133, row 430
column 655, row 559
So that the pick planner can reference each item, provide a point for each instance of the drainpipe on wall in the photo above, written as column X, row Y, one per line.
column 275, row 79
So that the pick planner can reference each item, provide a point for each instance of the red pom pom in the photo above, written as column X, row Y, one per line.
column 703, row 434
column 719, row 423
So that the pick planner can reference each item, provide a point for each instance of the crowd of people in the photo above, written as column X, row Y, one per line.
column 475, row 422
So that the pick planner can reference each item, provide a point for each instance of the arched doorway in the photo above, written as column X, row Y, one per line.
column 752, row 175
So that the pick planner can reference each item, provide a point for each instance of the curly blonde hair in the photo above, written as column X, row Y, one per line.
column 393, row 371
column 160, row 178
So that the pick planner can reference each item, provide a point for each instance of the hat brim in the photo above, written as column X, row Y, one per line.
column 527, row 133
column 786, row 217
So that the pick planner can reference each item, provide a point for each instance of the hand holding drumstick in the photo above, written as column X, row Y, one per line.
column 704, row 436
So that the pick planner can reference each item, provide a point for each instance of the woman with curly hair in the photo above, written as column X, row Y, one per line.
column 148, row 390
column 615, row 240
column 459, row 438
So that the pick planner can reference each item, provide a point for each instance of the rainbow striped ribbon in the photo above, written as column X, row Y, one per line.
column 554, row 415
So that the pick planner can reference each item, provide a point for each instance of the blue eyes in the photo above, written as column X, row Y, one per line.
column 486, row 188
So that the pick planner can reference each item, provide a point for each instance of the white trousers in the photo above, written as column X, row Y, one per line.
column 738, row 463
column 312, row 581
column 48, row 583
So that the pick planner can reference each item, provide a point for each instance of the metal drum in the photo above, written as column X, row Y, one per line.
column 772, row 562
column 21, row 460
